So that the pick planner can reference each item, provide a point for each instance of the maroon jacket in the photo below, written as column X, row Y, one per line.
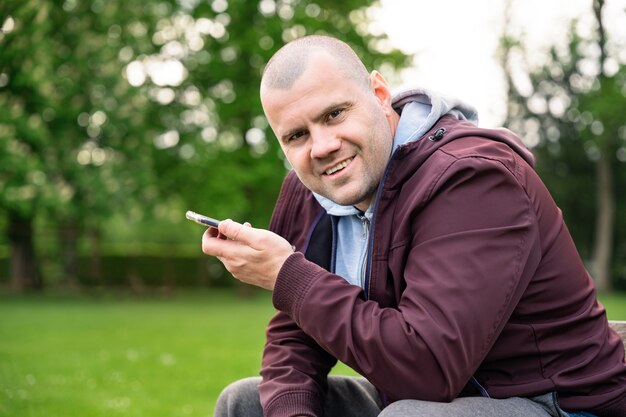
column 472, row 272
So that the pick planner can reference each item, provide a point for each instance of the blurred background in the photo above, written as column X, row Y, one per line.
column 117, row 117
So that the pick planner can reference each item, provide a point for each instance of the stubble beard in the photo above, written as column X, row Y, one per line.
column 361, row 188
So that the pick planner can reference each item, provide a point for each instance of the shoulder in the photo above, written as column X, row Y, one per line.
column 466, row 140
column 468, row 145
column 465, row 153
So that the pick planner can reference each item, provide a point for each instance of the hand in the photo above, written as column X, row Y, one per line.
column 253, row 256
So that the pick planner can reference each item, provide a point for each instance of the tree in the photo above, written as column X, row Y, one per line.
column 22, row 134
column 148, row 108
column 73, row 125
column 571, row 108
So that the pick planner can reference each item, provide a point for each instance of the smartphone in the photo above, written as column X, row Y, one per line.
column 200, row 219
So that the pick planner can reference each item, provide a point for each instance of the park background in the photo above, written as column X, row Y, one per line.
column 117, row 117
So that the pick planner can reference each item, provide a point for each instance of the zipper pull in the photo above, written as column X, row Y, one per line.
column 365, row 224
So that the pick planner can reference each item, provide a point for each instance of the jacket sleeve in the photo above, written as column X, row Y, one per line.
column 294, row 371
column 294, row 368
column 473, row 249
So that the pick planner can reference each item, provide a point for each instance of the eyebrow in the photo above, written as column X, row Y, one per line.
column 319, row 117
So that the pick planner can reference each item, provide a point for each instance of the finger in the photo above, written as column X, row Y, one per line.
column 217, row 245
column 239, row 232
column 213, row 232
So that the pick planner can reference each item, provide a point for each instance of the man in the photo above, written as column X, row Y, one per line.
column 428, row 256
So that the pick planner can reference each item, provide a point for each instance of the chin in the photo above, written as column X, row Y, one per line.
column 348, row 201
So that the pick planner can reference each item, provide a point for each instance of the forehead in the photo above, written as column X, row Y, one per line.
column 321, row 84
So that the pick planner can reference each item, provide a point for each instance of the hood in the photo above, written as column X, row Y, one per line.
column 419, row 110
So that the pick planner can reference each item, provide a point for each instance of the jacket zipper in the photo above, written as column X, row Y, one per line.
column 366, row 278
column 366, row 226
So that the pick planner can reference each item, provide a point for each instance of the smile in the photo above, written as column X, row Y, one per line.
column 339, row 166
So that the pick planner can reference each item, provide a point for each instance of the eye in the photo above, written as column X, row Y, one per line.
column 295, row 136
column 335, row 114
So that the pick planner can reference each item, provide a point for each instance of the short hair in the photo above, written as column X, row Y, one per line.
column 290, row 61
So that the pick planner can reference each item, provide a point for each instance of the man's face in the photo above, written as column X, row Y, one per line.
column 336, row 134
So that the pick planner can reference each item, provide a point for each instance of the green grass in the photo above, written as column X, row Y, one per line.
column 122, row 356
column 615, row 305
column 88, row 357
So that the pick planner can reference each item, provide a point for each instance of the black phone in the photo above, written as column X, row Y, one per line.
column 200, row 219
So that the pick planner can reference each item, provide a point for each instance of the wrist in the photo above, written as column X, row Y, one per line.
column 293, row 282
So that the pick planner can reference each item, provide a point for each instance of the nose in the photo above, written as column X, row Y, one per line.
column 323, row 143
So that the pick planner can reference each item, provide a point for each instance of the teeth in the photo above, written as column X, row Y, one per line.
column 339, row 166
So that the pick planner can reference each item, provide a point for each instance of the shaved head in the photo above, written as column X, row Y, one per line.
column 290, row 62
column 333, row 120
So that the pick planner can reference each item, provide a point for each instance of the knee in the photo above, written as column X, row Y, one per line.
column 405, row 408
column 241, row 387
column 241, row 398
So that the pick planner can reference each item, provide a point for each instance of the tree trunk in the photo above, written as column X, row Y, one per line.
column 68, row 234
column 95, row 258
column 605, row 199
column 24, row 273
column 605, row 219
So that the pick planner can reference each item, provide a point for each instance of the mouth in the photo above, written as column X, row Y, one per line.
column 341, row 165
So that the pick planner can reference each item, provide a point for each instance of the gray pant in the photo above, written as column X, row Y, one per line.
column 355, row 397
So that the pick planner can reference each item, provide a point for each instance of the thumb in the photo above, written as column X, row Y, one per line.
column 236, row 231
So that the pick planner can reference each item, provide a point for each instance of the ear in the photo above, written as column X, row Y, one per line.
column 381, row 90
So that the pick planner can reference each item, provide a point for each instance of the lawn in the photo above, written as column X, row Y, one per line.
column 88, row 357
column 154, row 356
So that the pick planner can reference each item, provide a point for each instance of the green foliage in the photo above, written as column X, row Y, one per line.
column 74, row 123
column 147, row 109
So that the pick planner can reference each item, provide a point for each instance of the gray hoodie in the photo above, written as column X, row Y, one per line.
column 419, row 110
